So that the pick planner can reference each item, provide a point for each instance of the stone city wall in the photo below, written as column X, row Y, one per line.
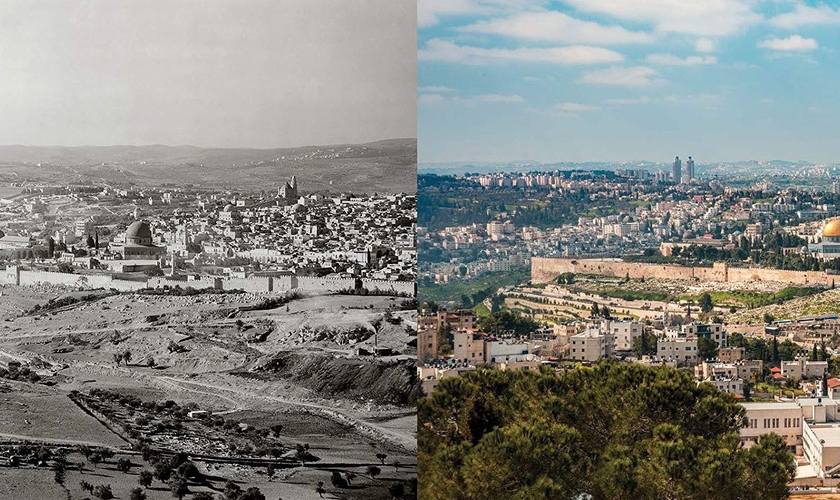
column 254, row 284
column 396, row 287
column 15, row 275
column 546, row 269
column 199, row 284
column 310, row 283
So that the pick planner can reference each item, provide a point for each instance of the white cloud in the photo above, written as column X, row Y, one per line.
column 431, row 12
column 436, row 99
column 702, row 18
column 624, row 102
column 793, row 43
column 669, row 60
column 446, row 51
column 636, row 76
column 805, row 15
column 431, row 99
column 553, row 26
column 705, row 45
column 574, row 107
column 496, row 98
column 436, row 88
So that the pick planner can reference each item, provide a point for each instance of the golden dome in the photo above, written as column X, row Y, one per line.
column 831, row 228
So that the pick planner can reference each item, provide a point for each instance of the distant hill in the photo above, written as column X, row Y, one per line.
column 382, row 166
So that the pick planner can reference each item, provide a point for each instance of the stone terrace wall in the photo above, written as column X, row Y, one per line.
column 546, row 269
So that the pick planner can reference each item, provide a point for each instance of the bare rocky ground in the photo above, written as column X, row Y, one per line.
column 295, row 365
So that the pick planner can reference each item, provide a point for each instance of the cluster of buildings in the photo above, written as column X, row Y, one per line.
column 810, row 426
column 663, row 216
column 340, row 235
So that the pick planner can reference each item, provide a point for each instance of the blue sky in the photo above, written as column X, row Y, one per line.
column 615, row 80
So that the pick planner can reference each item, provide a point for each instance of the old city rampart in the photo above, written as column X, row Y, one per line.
column 546, row 269
column 253, row 284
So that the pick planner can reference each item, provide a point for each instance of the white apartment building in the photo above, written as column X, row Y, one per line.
column 591, row 345
column 802, row 367
column 682, row 350
column 624, row 333
column 725, row 384
column 784, row 419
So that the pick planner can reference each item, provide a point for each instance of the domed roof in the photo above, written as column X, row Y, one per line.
column 832, row 228
column 228, row 208
column 139, row 230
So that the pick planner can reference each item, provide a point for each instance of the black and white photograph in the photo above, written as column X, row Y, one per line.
column 208, row 252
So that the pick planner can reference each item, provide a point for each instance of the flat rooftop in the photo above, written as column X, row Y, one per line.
column 770, row 406
column 828, row 434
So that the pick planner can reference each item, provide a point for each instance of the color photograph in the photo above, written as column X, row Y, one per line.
column 628, row 249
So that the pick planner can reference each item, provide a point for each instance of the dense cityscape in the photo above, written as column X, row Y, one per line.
column 729, row 280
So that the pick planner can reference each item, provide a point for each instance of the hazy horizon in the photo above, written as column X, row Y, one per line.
column 205, row 146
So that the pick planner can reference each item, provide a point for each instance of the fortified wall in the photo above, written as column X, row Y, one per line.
column 14, row 275
column 546, row 269
column 255, row 284
column 310, row 283
column 389, row 287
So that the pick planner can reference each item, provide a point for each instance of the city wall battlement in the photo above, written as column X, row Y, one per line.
column 546, row 269
column 255, row 284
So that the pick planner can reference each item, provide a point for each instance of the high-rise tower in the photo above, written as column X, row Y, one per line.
column 676, row 172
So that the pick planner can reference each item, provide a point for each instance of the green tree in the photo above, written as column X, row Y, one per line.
column 610, row 431
column 705, row 303
column 706, row 347
column 444, row 334
column 645, row 344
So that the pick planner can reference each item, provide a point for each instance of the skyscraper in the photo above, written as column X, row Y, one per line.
column 689, row 170
column 676, row 173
